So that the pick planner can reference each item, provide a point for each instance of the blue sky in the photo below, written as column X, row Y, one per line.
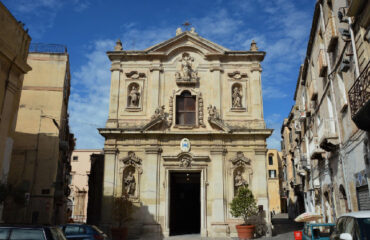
column 89, row 28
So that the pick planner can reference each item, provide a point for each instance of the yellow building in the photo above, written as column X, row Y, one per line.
column 43, row 143
column 274, row 180
column 14, row 44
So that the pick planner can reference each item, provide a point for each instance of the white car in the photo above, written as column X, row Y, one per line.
column 352, row 226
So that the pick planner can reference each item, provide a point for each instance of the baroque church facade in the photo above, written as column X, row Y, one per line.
column 185, row 130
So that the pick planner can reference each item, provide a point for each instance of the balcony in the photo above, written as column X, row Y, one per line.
column 323, row 66
column 315, row 152
column 328, row 137
column 359, row 99
column 312, row 90
column 331, row 34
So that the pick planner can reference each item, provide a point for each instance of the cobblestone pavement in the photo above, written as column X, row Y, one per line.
column 283, row 229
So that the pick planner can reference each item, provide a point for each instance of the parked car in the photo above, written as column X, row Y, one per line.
column 320, row 231
column 80, row 231
column 13, row 232
column 354, row 225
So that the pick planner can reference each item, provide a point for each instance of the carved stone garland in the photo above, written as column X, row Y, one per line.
column 170, row 117
column 200, row 109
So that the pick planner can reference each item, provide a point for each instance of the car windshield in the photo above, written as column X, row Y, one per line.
column 27, row 234
column 365, row 227
column 97, row 229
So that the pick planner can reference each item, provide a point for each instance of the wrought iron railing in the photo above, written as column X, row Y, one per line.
column 359, row 93
column 47, row 48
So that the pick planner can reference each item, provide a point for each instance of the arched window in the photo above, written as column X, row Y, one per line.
column 236, row 95
column 185, row 109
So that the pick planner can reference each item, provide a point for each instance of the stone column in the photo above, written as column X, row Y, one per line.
column 154, row 87
column 256, row 91
column 260, row 179
column 114, row 94
column 217, row 187
column 217, row 91
column 149, row 191
column 110, row 156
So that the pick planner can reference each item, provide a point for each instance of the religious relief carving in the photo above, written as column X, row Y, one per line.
column 158, row 121
column 131, row 172
column 185, row 161
column 130, row 183
column 237, row 96
column 239, row 181
column 241, row 171
column 133, row 96
column 215, row 119
column 187, row 74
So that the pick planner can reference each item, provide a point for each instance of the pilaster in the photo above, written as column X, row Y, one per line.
column 114, row 94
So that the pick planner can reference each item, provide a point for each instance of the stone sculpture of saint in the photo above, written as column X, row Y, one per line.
column 134, row 97
column 130, row 183
column 237, row 98
column 239, row 180
column 186, row 73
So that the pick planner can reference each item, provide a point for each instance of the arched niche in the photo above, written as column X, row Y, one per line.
column 133, row 95
column 236, row 96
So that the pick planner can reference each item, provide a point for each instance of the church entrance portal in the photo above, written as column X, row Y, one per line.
column 184, row 203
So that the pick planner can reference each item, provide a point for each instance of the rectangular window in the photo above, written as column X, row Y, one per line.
column 271, row 161
column 75, row 158
column 272, row 173
column 185, row 109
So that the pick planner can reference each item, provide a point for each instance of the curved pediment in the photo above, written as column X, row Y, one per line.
column 189, row 40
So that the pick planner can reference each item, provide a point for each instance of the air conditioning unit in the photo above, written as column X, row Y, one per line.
column 345, row 65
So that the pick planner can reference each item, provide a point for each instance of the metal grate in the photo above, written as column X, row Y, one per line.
column 359, row 93
column 47, row 48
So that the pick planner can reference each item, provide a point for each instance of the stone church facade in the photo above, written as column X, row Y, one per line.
column 185, row 130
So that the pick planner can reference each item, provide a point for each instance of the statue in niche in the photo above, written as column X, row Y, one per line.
column 237, row 97
column 187, row 73
column 134, row 97
column 130, row 183
column 239, row 180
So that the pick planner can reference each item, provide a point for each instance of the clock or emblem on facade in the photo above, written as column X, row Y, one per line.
column 185, row 145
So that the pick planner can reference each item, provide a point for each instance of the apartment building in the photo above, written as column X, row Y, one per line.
column 329, row 121
column 43, row 143
column 14, row 44
column 78, row 184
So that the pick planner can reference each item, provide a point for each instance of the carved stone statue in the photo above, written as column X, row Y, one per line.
column 159, row 113
column 130, row 183
column 239, row 180
column 187, row 73
column 237, row 98
column 134, row 97
column 212, row 113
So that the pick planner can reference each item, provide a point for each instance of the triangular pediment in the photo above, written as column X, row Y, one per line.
column 187, row 39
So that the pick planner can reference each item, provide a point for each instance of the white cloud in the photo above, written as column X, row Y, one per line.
column 89, row 101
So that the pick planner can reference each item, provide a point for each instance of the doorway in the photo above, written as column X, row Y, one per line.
column 184, row 203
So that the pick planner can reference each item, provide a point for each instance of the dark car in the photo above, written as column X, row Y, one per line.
column 77, row 231
column 12, row 232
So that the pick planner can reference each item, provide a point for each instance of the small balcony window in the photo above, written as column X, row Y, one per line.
column 272, row 173
column 185, row 109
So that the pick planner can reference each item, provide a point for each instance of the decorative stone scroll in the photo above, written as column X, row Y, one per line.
column 187, row 75
column 135, row 75
column 236, row 75
column 130, row 174
column 157, row 121
column 241, row 170
column 215, row 119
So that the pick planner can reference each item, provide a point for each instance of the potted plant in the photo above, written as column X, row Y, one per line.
column 122, row 209
column 244, row 205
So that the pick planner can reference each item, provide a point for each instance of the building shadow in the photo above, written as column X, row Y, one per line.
column 282, row 224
